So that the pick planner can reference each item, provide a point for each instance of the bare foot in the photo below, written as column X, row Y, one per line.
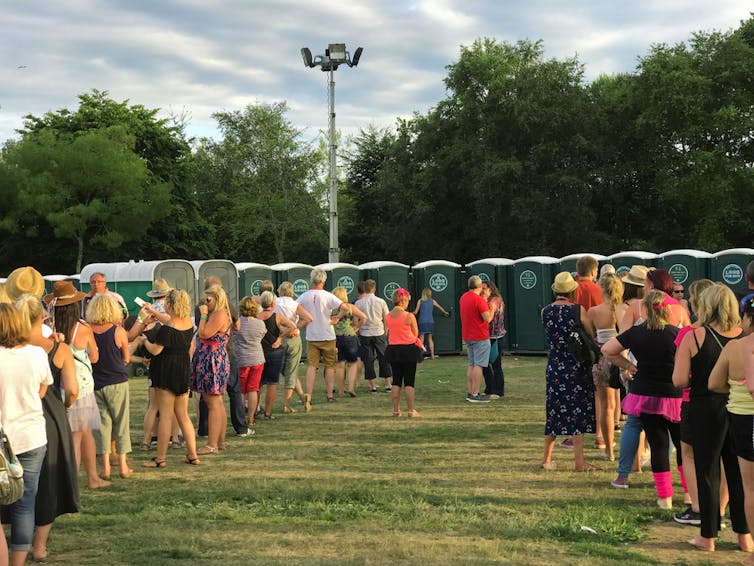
column 548, row 466
column 702, row 543
column 745, row 543
column 98, row 483
column 588, row 468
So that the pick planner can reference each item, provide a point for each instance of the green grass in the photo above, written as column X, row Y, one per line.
column 349, row 484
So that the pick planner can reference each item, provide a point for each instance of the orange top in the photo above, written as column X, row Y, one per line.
column 398, row 331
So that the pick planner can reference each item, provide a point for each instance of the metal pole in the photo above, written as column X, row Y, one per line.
column 334, row 253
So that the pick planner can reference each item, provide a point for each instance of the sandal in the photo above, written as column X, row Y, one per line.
column 146, row 446
column 351, row 394
column 331, row 399
column 289, row 410
column 206, row 450
column 396, row 413
column 307, row 403
column 155, row 463
column 195, row 461
column 269, row 417
column 222, row 446
column 414, row 414
column 548, row 466
column 127, row 474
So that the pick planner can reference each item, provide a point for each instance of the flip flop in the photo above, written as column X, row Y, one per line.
column 155, row 463
column 192, row 461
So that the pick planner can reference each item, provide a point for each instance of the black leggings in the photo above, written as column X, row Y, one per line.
column 657, row 428
column 404, row 374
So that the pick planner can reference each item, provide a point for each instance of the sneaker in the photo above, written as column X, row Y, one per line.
column 492, row 396
column 621, row 482
column 477, row 398
column 567, row 443
column 243, row 434
column 688, row 517
column 723, row 525
column 606, row 458
column 388, row 389
column 373, row 390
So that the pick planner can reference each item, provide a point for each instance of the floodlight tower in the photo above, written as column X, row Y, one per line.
column 335, row 55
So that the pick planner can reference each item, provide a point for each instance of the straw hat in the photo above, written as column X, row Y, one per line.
column 24, row 280
column 564, row 283
column 63, row 293
column 160, row 288
column 636, row 275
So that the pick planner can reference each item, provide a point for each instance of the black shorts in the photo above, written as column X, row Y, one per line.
column 742, row 431
column 686, row 435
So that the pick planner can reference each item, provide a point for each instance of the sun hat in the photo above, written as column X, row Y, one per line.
column 636, row 275
column 24, row 280
column 564, row 283
column 63, row 293
column 160, row 288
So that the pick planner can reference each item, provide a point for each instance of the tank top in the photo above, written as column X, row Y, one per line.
column 426, row 311
column 273, row 332
column 83, row 366
column 56, row 372
column 398, row 331
column 109, row 369
column 704, row 361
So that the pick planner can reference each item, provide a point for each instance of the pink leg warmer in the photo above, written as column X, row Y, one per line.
column 663, row 484
column 683, row 480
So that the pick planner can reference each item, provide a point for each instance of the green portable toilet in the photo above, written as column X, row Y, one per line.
column 222, row 268
column 729, row 267
column 250, row 277
column 532, row 278
column 110, row 271
column 499, row 270
column 297, row 273
column 444, row 279
column 344, row 275
column 568, row 262
column 389, row 275
column 51, row 279
column 686, row 266
column 622, row 261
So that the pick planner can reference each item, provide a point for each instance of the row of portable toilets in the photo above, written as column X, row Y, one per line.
column 523, row 283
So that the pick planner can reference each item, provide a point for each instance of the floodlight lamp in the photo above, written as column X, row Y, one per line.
column 337, row 52
column 306, row 54
column 356, row 56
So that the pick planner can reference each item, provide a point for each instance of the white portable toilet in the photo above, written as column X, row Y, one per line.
column 222, row 268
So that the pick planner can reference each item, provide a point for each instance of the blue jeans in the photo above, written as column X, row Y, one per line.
column 22, row 511
column 629, row 444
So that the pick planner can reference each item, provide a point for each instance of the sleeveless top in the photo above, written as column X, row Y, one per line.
column 248, row 341
column 426, row 311
column 109, row 369
column 273, row 332
column 605, row 334
column 56, row 372
column 344, row 327
column 399, row 333
column 83, row 367
column 704, row 361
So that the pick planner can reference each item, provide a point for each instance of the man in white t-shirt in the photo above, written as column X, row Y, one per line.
column 320, row 334
column 372, row 336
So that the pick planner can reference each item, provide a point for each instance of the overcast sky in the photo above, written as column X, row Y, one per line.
column 198, row 57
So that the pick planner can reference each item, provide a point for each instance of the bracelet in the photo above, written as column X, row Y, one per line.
column 140, row 320
column 202, row 318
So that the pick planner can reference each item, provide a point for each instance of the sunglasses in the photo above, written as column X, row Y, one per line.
column 678, row 292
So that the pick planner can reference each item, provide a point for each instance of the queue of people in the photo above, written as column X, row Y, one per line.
column 682, row 385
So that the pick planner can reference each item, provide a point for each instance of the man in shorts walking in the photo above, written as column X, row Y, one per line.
column 476, row 315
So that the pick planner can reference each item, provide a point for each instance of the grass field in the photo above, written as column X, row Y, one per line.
column 349, row 484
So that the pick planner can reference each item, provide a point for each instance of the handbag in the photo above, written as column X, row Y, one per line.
column 580, row 344
column 11, row 473
column 494, row 351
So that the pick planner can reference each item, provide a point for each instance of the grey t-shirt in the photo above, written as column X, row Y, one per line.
column 248, row 342
column 375, row 308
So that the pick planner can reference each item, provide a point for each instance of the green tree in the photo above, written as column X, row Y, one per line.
column 261, row 188
column 91, row 189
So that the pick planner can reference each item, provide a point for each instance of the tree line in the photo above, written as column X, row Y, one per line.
column 523, row 156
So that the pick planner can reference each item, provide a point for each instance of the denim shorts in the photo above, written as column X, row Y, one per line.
column 348, row 348
column 479, row 352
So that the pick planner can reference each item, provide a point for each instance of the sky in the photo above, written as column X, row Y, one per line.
column 192, row 58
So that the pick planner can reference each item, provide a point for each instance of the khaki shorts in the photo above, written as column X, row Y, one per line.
column 325, row 348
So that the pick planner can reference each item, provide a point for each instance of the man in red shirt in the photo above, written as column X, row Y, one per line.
column 588, row 293
column 475, row 331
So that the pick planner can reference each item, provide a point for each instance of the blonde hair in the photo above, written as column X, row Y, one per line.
column 695, row 291
column 426, row 293
column 179, row 303
column 341, row 293
column 248, row 307
column 657, row 313
column 219, row 294
column 14, row 328
column 4, row 298
column 30, row 308
column 717, row 304
column 285, row 289
column 266, row 299
column 103, row 309
column 612, row 289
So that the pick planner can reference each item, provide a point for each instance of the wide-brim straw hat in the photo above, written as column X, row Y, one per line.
column 160, row 288
column 24, row 280
column 63, row 293
column 564, row 283
column 637, row 275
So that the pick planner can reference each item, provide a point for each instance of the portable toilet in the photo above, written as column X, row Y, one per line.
column 109, row 270
column 344, row 275
column 51, row 279
column 729, row 267
column 532, row 280
column 224, row 269
column 622, row 261
column 443, row 278
column 499, row 270
column 686, row 266
column 568, row 262
column 297, row 273
column 250, row 277
column 389, row 275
